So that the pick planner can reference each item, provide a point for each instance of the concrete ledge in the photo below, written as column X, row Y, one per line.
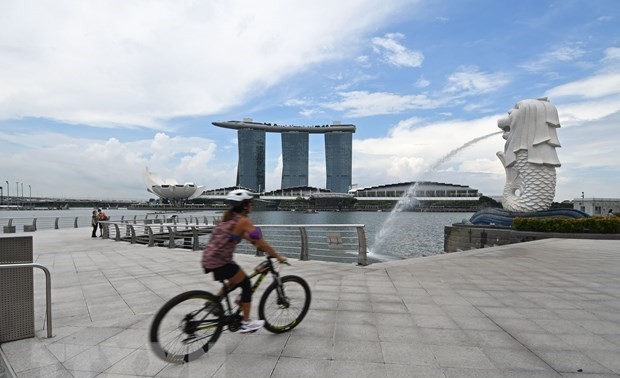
column 463, row 237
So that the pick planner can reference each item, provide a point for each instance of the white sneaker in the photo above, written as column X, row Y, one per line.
column 251, row 325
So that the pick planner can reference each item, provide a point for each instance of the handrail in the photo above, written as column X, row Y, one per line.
column 305, row 240
column 48, row 290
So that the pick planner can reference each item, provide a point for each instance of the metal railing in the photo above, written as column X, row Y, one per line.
column 48, row 290
column 327, row 242
column 55, row 223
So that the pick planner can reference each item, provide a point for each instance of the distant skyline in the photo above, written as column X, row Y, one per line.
column 92, row 92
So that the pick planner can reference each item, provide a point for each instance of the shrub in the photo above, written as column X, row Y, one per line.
column 593, row 225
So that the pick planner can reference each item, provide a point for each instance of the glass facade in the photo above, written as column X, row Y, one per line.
column 251, row 168
column 338, row 159
column 294, row 159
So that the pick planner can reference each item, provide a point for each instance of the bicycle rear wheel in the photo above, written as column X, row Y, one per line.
column 282, row 310
column 186, row 327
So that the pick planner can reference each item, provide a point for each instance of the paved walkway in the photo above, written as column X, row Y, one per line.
column 549, row 308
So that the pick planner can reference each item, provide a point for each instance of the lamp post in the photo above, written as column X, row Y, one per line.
column 8, row 193
column 30, row 195
column 1, row 196
column 17, row 190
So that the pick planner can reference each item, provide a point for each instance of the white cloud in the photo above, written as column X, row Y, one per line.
column 468, row 81
column 396, row 54
column 69, row 166
column 94, row 63
column 563, row 53
column 363, row 104
column 422, row 82
column 591, row 87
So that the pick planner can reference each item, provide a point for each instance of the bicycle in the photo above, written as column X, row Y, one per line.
column 188, row 325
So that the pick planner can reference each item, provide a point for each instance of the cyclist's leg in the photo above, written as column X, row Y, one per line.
column 241, row 279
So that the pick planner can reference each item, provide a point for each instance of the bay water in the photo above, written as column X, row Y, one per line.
column 410, row 234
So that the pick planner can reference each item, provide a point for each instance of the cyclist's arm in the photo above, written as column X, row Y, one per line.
column 254, row 236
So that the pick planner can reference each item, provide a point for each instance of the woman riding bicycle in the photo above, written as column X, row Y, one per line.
column 218, row 255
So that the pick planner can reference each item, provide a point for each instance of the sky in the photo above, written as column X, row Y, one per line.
column 92, row 92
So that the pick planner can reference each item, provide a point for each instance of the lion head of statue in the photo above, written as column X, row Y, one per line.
column 531, row 125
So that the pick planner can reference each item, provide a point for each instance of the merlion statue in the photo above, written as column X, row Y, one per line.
column 529, row 155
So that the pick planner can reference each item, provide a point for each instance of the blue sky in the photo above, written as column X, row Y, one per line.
column 91, row 92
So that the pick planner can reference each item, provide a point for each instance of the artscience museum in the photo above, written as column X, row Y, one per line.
column 169, row 189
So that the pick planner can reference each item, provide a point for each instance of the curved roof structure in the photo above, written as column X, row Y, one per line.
column 169, row 188
column 268, row 127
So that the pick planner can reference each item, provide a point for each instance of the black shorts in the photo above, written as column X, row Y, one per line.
column 224, row 272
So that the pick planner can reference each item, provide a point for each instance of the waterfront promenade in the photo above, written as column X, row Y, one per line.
column 548, row 308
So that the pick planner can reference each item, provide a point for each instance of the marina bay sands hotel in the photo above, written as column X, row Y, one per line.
column 251, row 166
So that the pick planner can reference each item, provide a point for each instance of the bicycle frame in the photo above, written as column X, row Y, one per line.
column 261, row 277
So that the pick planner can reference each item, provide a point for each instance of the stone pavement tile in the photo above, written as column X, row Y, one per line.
column 128, row 338
column 324, row 304
column 354, row 306
column 475, row 323
column 356, row 332
column 586, row 342
column 407, row 333
column 481, row 373
column 494, row 339
column 437, row 336
column 575, row 314
column 518, row 325
column 600, row 327
column 358, row 350
column 90, row 336
column 413, row 371
column 408, row 353
column 139, row 362
column 385, row 298
column 27, row 354
column 309, row 347
column 349, row 369
column 581, row 375
column 546, row 341
column 264, row 344
column 518, row 358
column 63, row 352
column 316, row 328
column 571, row 362
column 288, row 367
column 412, row 301
column 353, row 317
column 359, row 297
column 484, row 301
column 97, row 358
column 396, row 320
column 500, row 312
column 561, row 326
column 423, row 308
column 434, row 321
column 466, row 310
column 243, row 365
column 608, row 358
column 49, row 371
column 389, row 307
column 461, row 357
column 472, row 373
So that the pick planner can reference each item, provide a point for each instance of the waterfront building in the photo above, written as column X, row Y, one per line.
column 251, row 165
column 597, row 206
column 294, row 159
column 421, row 190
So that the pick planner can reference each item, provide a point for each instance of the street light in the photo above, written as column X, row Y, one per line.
column 30, row 195
column 17, row 190
column 8, row 193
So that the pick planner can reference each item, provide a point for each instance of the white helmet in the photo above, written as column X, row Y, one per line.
column 239, row 195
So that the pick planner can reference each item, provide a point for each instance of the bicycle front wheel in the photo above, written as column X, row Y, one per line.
column 186, row 327
column 284, row 307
